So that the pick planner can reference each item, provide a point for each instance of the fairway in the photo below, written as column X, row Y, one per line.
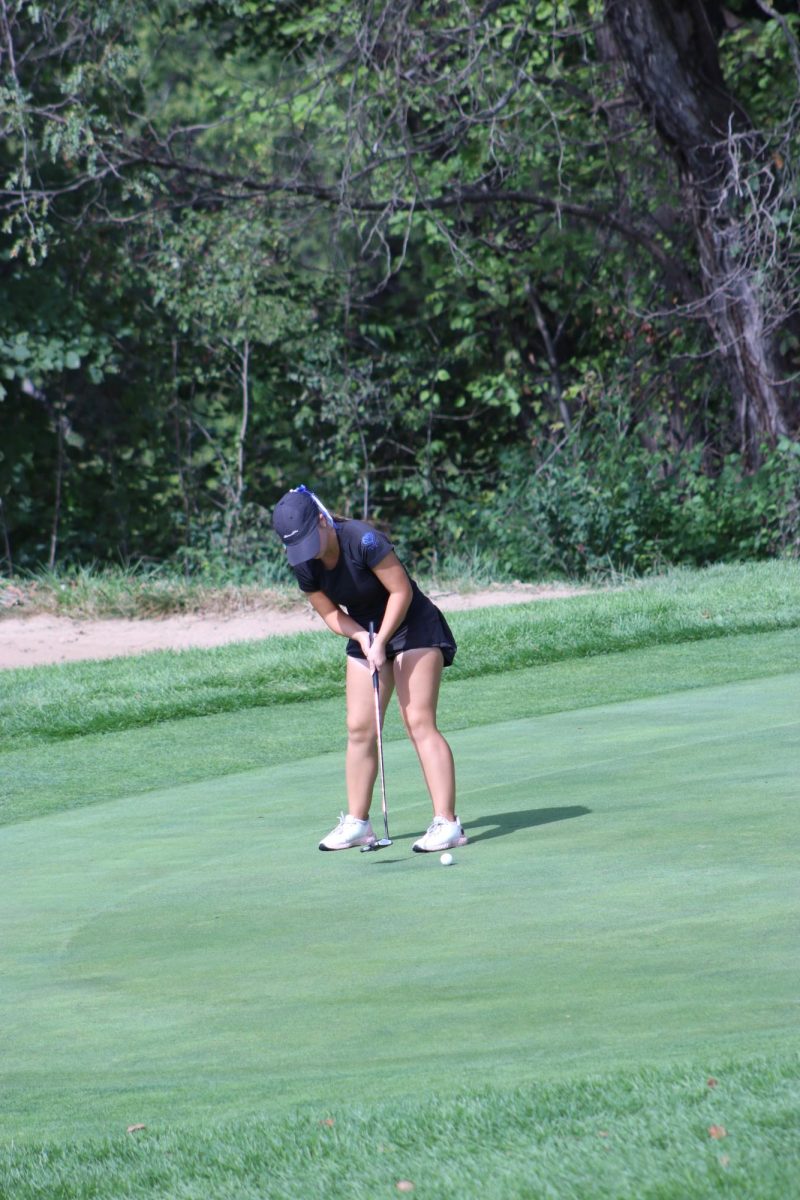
column 628, row 898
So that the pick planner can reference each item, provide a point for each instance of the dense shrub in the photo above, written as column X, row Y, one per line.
column 615, row 505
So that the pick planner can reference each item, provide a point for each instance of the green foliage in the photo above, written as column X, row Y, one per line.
column 252, row 556
column 604, row 503
column 222, row 276
column 757, row 56
column 50, row 340
column 255, row 266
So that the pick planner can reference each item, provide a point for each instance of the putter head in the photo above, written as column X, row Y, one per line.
column 381, row 844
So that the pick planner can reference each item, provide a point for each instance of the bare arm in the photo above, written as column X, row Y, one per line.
column 337, row 619
column 392, row 575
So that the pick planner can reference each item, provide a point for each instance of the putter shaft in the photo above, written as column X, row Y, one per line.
column 376, row 688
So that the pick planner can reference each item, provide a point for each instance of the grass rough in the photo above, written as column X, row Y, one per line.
column 73, row 699
column 695, row 1132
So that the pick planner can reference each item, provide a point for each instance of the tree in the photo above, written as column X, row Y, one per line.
column 738, row 193
column 406, row 115
column 220, row 277
column 482, row 242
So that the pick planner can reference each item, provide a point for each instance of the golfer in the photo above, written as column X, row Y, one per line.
column 352, row 577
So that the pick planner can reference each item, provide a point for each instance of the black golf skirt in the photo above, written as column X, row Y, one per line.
column 425, row 628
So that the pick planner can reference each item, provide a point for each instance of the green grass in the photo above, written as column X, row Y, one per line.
column 143, row 591
column 50, row 703
column 628, row 898
column 49, row 776
column 541, row 1019
column 619, row 1137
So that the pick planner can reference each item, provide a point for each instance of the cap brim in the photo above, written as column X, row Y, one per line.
column 305, row 549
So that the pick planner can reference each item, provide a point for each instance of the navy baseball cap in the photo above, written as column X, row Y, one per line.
column 296, row 522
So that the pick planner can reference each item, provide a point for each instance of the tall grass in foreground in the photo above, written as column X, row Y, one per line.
column 695, row 1133
column 48, row 703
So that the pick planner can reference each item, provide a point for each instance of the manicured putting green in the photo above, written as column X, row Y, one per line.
column 629, row 897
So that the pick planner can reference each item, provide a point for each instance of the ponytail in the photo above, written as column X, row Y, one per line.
column 307, row 492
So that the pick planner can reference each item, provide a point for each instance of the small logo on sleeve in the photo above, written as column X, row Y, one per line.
column 369, row 541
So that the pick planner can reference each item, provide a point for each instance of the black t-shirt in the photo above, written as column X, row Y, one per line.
column 352, row 583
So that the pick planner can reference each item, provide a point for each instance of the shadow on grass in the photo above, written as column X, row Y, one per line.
column 504, row 824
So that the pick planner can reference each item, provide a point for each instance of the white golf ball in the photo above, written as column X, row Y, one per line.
column 446, row 860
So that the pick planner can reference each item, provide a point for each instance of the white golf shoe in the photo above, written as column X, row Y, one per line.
column 441, row 835
column 350, row 832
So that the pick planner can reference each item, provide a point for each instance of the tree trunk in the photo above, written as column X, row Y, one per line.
column 179, row 461
column 670, row 53
column 61, row 422
column 237, row 492
column 6, row 539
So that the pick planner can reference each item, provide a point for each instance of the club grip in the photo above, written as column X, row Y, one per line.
column 375, row 676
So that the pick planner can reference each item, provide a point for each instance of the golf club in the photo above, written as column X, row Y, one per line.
column 383, row 842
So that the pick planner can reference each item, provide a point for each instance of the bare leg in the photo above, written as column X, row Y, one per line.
column 417, row 675
column 361, row 760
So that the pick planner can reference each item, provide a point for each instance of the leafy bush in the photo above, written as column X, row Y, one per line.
column 609, row 504
column 252, row 554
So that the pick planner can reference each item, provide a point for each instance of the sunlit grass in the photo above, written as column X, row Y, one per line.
column 708, row 1129
column 40, row 775
column 721, row 1123
column 75, row 698
column 141, row 592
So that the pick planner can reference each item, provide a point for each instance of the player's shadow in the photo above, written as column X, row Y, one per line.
column 504, row 824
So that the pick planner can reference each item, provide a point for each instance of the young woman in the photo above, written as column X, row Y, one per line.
column 352, row 577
